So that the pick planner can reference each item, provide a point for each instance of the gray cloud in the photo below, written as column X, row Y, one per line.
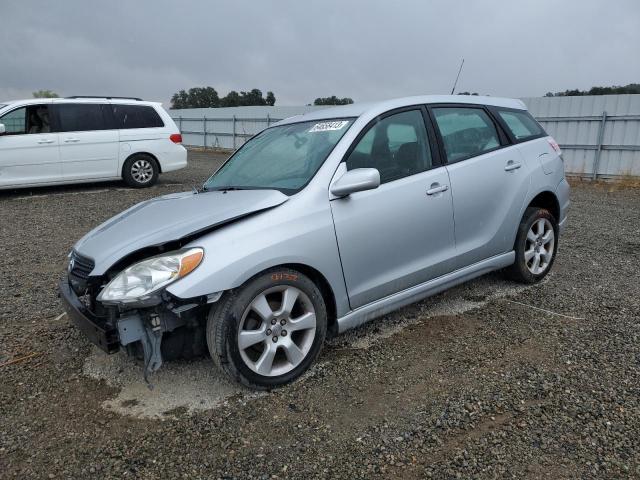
column 302, row 49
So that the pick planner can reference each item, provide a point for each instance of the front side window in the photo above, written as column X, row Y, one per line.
column 397, row 146
column 78, row 117
column 136, row 116
column 283, row 158
column 521, row 124
column 25, row 120
column 465, row 132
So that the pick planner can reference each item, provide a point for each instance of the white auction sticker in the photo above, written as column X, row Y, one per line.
column 327, row 126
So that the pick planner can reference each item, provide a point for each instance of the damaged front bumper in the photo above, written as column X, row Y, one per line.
column 124, row 329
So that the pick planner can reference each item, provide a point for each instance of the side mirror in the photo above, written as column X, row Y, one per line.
column 3, row 130
column 357, row 180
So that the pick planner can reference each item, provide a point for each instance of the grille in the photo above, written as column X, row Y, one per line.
column 80, row 266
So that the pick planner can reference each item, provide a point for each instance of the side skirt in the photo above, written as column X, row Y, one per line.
column 411, row 295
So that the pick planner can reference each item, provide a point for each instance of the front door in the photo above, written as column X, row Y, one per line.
column 29, row 149
column 89, row 143
column 400, row 234
column 489, row 182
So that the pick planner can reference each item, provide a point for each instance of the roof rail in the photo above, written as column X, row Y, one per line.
column 108, row 98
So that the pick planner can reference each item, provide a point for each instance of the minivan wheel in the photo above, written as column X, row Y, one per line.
column 536, row 245
column 140, row 171
column 269, row 331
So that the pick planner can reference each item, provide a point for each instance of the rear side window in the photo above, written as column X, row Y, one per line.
column 466, row 132
column 521, row 124
column 78, row 117
column 136, row 116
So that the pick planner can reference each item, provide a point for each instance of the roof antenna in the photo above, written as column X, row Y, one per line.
column 456, row 82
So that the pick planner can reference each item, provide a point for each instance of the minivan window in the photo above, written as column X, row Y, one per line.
column 521, row 124
column 283, row 158
column 25, row 120
column 80, row 117
column 396, row 146
column 136, row 116
column 465, row 131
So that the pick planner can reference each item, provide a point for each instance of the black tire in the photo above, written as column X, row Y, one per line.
column 519, row 271
column 137, row 178
column 225, row 319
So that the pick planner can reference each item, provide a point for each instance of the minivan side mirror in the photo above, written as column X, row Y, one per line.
column 357, row 180
column 3, row 130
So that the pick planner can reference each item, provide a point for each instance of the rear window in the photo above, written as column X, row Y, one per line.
column 136, row 116
column 521, row 124
column 79, row 117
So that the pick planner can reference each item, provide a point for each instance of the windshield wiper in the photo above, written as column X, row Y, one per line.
column 227, row 188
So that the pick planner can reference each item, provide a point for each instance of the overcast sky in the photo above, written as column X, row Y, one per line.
column 302, row 49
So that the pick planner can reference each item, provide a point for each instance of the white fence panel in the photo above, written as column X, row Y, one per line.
column 599, row 135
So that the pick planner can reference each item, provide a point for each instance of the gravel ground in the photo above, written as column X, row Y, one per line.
column 474, row 383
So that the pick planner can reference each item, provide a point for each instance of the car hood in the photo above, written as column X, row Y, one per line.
column 167, row 218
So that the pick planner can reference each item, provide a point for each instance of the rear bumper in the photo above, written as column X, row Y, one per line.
column 94, row 328
column 174, row 158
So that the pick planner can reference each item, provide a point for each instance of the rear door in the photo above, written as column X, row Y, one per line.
column 489, row 181
column 88, row 141
column 29, row 148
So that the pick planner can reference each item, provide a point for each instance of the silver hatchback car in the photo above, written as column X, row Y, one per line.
column 318, row 224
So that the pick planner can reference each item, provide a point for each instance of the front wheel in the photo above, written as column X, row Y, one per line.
column 269, row 331
column 536, row 245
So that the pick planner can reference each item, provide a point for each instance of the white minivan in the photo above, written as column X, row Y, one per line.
column 86, row 139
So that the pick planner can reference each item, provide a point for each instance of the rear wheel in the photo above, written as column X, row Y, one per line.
column 268, row 332
column 536, row 245
column 140, row 171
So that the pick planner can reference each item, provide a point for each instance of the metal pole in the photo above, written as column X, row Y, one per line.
column 596, row 160
column 204, row 129
column 268, row 120
column 180, row 123
column 234, row 132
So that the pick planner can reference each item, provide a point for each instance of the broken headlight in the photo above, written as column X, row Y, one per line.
column 139, row 281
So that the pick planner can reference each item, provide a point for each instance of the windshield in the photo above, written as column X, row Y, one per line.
column 282, row 158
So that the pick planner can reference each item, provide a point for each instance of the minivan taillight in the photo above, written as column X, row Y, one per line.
column 175, row 138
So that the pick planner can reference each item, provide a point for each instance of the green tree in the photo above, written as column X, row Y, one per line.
column 332, row 100
column 207, row 97
column 45, row 94
column 271, row 99
column 614, row 90
column 232, row 99
column 197, row 97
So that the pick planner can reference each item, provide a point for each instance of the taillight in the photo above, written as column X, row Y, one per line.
column 175, row 138
column 554, row 145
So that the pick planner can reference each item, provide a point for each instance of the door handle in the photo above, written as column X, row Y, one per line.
column 71, row 140
column 437, row 188
column 511, row 165
column 45, row 141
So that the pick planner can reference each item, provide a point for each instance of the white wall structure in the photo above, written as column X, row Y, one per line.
column 599, row 135
column 228, row 127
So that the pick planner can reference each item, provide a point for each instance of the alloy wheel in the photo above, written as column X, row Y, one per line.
column 539, row 247
column 142, row 171
column 277, row 330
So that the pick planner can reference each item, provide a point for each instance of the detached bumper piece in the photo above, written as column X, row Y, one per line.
column 96, row 329
column 146, row 326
